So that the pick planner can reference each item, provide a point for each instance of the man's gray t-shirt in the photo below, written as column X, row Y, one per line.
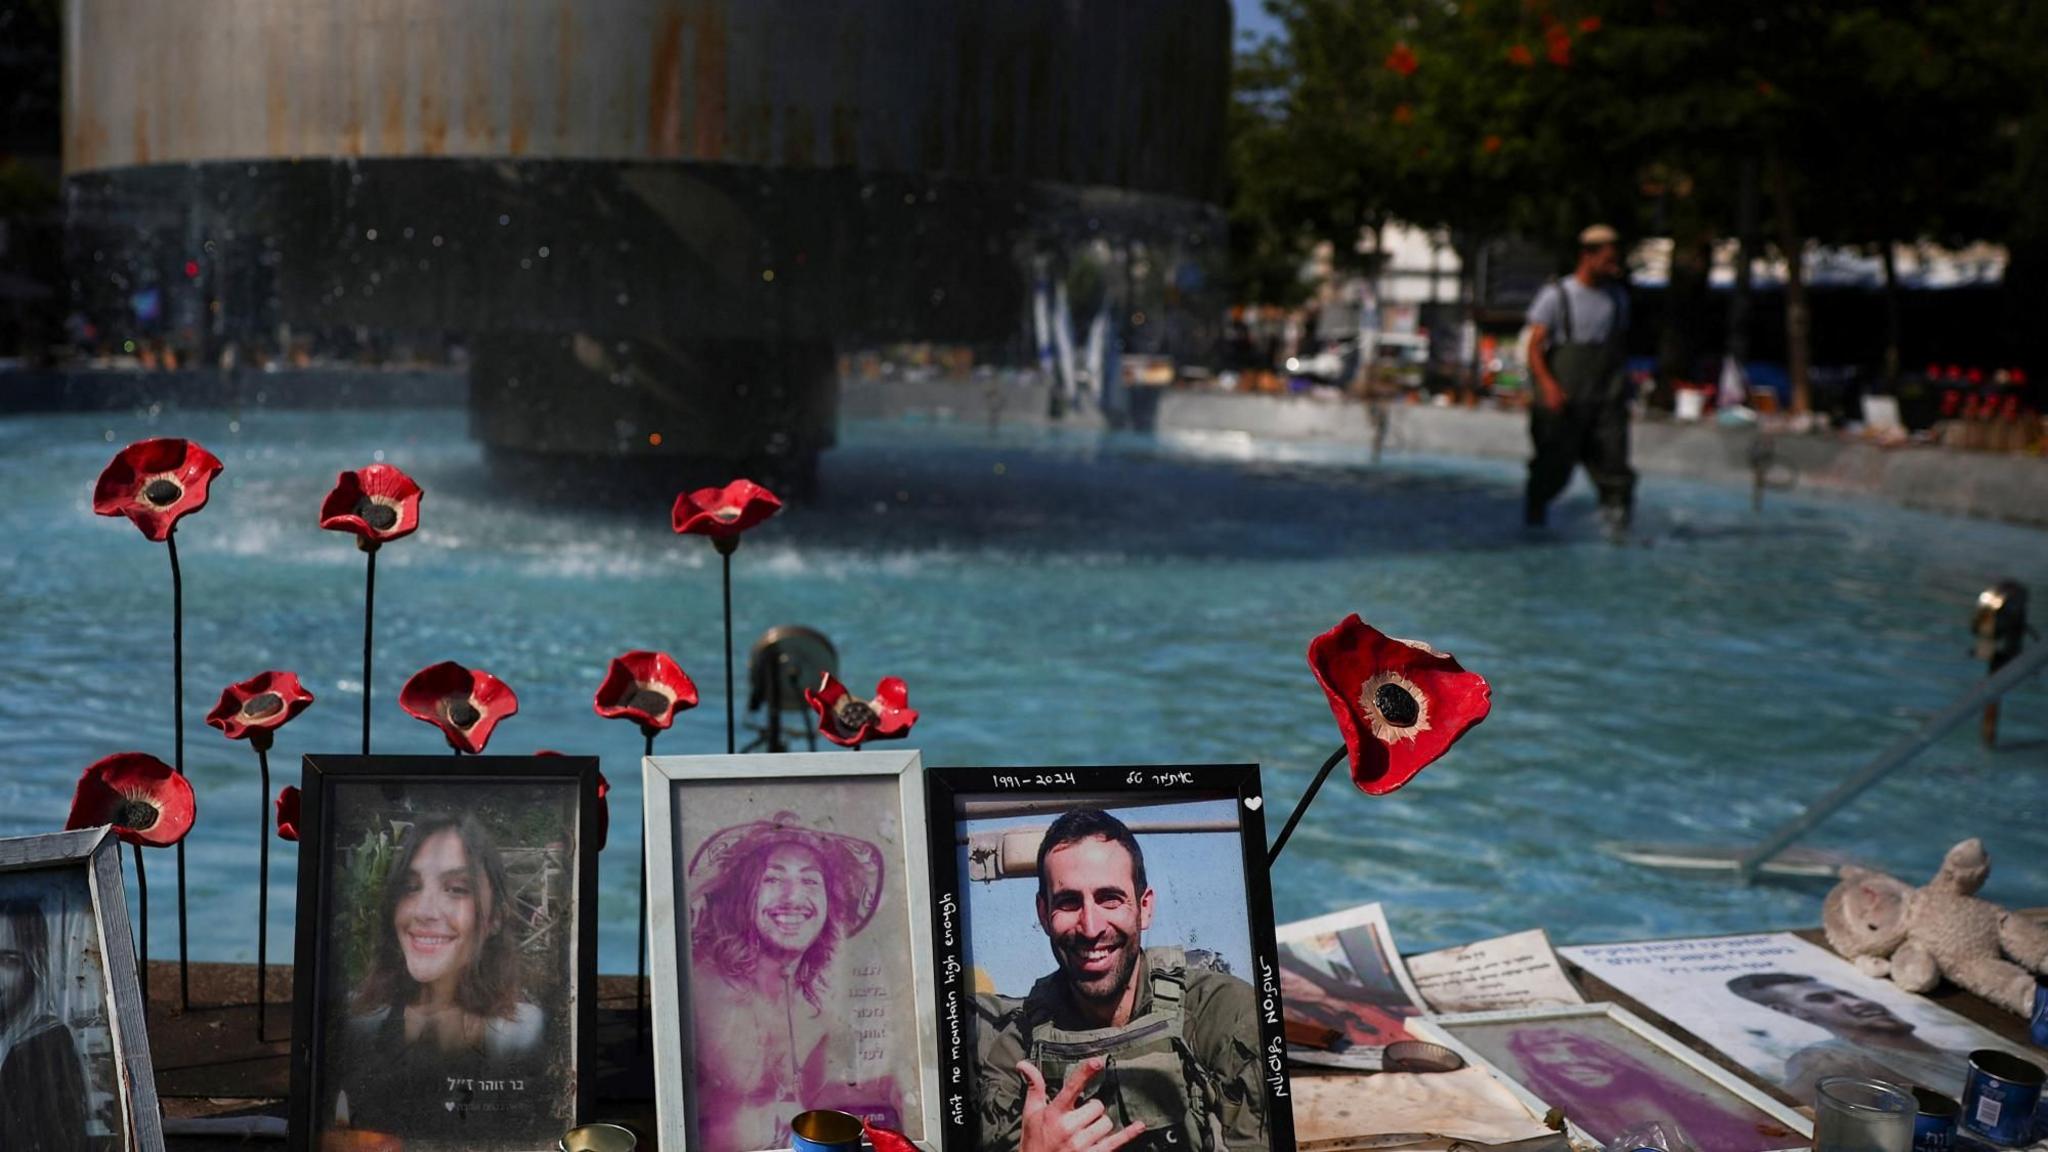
column 1593, row 312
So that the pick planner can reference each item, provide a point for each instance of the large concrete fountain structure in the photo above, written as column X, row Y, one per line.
column 654, row 224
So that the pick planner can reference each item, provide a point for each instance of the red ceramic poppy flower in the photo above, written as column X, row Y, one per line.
column 886, row 1139
column 288, row 814
column 1400, row 704
column 723, row 513
column 377, row 503
column 647, row 688
column 1402, row 60
column 155, row 483
column 1520, row 56
column 141, row 796
column 846, row 719
column 259, row 705
column 464, row 705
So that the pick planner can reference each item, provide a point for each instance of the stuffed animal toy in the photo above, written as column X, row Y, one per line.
column 1917, row 936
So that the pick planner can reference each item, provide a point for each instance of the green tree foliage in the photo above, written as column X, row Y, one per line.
column 1873, row 121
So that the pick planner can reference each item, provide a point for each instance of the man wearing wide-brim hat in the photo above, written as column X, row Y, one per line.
column 773, row 904
column 1579, row 413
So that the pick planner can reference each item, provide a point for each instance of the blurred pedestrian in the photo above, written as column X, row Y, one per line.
column 1579, row 413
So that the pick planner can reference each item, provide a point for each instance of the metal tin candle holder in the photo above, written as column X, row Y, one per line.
column 599, row 1138
column 823, row 1130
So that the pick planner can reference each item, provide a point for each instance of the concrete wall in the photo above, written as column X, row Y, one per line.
column 1125, row 94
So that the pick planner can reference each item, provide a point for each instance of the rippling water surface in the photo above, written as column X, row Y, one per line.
column 1068, row 598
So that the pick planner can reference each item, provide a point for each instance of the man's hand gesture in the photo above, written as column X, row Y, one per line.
column 1058, row 1126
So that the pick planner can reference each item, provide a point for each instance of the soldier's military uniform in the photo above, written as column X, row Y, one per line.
column 1186, row 1066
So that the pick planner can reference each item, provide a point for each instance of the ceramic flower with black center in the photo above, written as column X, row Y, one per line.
column 155, row 483
column 648, row 688
column 256, row 708
column 146, row 801
column 723, row 513
column 288, row 813
column 1400, row 704
column 463, row 704
column 377, row 503
column 850, row 721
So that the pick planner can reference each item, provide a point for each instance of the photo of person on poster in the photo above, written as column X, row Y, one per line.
column 777, row 909
column 43, row 1101
column 1587, row 1069
column 1864, row 1037
column 451, row 953
column 1123, row 1043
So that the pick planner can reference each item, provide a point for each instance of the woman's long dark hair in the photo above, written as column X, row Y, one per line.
column 725, row 932
column 490, row 987
column 32, row 940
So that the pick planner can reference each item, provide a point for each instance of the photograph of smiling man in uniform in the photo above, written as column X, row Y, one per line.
column 798, row 952
column 1131, row 1041
column 448, row 1011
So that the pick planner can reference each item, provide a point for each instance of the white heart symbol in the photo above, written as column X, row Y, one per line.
column 1255, row 802
column 448, row 1104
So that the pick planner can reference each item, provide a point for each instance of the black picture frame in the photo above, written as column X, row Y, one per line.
column 316, row 914
column 1051, row 790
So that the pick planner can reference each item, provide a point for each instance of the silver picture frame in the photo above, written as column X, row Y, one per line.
column 1457, row 1033
column 94, row 855
column 701, row 811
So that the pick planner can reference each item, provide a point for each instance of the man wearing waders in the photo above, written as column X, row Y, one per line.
column 1123, row 1046
column 1579, row 414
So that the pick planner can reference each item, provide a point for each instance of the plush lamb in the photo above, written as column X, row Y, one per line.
column 1917, row 936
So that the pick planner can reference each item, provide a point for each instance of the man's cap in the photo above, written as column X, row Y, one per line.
column 855, row 865
column 1597, row 235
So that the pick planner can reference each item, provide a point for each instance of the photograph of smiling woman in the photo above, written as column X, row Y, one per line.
column 440, row 1000
column 447, row 974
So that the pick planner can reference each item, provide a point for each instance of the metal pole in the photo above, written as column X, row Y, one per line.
column 1965, row 706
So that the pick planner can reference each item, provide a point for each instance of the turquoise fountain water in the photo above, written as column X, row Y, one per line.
column 1066, row 598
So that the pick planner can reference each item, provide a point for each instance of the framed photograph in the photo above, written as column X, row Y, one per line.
column 1607, row 1070
column 789, row 898
column 74, row 1057
column 1105, row 943
column 447, row 948
column 1342, row 974
column 1791, row 1012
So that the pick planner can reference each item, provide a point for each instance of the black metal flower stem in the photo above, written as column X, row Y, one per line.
column 1293, row 818
column 640, row 973
column 178, row 727
column 142, row 922
column 260, row 739
column 369, row 603
column 726, row 547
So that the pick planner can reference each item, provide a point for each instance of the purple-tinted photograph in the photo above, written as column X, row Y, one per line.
column 1606, row 1079
column 798, row 946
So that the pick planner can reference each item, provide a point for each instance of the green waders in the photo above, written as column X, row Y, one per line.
column 1590, row 428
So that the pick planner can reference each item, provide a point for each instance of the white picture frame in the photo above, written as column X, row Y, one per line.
column 1456, row 1032
column 92, row 858
column 698, row 806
